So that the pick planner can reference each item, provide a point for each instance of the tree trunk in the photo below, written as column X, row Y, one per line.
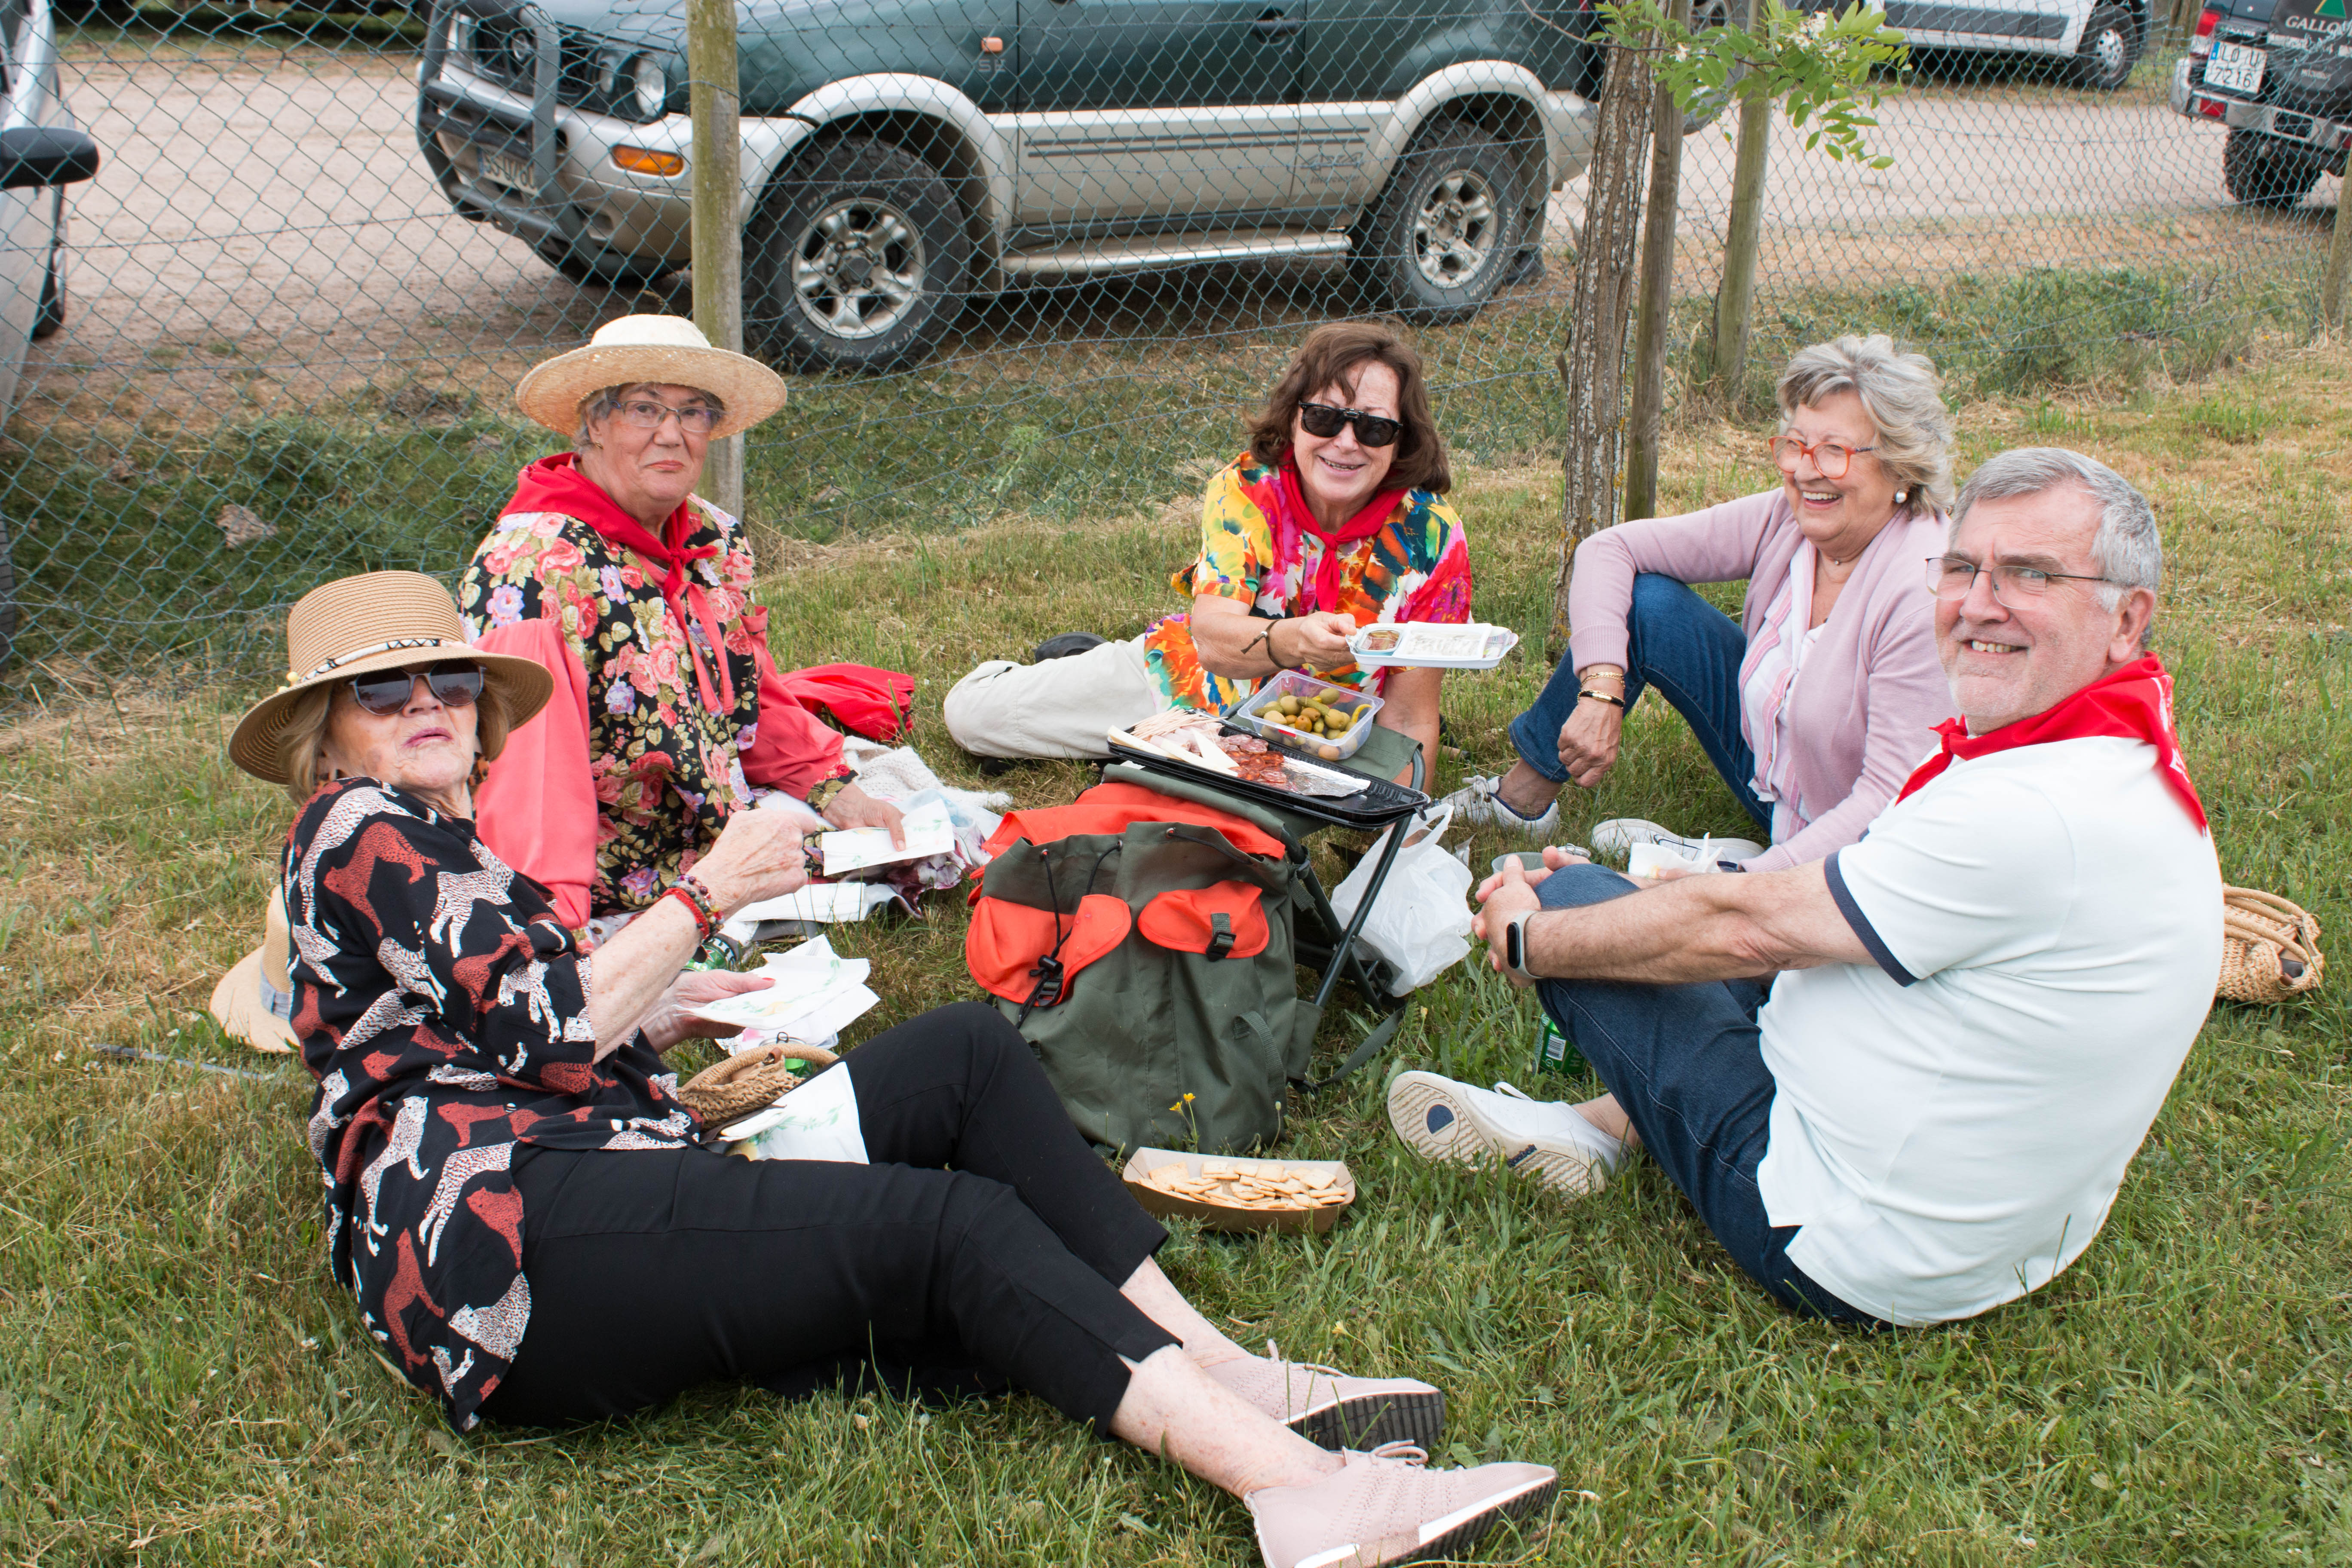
column 1592, row 367
column 713, row 99
column 1734, row 301
column 1657, row 299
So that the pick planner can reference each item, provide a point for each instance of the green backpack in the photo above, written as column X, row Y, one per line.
column 1146, row 946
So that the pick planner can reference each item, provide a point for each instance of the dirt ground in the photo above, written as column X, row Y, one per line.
column 264, row 233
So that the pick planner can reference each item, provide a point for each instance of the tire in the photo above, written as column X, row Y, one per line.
column 2262, row 174
column 52, row 317
column 857, row 260
column 2109, row 49
column 1446, row 229
column 601, row 269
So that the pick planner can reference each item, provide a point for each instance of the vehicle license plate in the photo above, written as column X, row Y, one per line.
column 2234, row 68
column 509, row 170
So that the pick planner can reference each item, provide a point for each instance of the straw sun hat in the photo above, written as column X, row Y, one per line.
column 666, row 350
column 355, row 625
column 254, row 1001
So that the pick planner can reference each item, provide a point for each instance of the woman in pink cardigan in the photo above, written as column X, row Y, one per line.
column 1817, row 703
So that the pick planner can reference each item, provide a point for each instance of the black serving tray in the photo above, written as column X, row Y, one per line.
column 1381, row 801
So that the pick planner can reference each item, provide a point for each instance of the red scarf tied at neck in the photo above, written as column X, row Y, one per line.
column 556, row 484
column 1323, row 593
column 2133, row 703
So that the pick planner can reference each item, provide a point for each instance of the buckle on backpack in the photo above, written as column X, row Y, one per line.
column 1050, row 980
column 1221, row 941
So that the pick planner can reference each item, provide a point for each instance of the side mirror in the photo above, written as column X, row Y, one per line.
column 44, row 155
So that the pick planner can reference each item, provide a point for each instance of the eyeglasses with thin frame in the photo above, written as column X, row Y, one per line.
column 1831, row 460
column 385, row 692
column 645, row 413
column 1950, row 578
column 1322, row 420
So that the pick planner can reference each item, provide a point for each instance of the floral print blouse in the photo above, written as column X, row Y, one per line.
column 1416, row 567
column 443, row 1008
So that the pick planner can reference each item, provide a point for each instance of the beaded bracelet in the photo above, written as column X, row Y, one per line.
column 704, row 899
column 703, row 927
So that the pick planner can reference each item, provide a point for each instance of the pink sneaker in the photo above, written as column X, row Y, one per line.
column 1387, row 1506
column 1332, row 1410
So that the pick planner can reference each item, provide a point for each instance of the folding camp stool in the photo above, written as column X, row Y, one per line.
column 1383, row 754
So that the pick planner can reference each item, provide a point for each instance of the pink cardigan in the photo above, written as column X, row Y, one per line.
column 1873, row 685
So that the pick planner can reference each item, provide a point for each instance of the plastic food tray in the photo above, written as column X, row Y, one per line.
column 1379, row 803
column 1250, row 714
column 1385, row 646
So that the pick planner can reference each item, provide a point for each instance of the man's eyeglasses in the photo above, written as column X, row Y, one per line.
column 1831, row 458
column 1322, row 420
column 385, row 692
column 644, row 414
column 1950, row 578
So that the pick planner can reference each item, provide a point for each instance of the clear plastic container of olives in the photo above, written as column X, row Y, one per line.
column 1326, row 721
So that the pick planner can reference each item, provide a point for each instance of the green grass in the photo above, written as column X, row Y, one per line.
column 180, row 1382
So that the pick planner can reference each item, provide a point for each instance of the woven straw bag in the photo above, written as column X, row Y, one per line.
column 2270, row 947
column 749, row 1082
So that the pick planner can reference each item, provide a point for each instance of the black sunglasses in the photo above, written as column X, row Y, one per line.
column 1322, row 419
column 386, row 691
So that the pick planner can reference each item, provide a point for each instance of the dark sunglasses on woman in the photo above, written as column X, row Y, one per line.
column 1322, row 420
column 385, row 691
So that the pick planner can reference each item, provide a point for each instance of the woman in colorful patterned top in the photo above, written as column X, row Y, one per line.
column 531, row 1222
column 1332, row 519
column 637, row 595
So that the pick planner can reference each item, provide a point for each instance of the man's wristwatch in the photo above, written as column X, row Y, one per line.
column 1514, row 946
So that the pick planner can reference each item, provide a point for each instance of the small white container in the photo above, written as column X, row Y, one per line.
column 1252, row 715
column 1431, row 645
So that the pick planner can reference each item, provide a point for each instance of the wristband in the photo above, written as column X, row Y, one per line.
column 703, row 927
column 1273, row 658
column 1617, row 703
column 1514, row 946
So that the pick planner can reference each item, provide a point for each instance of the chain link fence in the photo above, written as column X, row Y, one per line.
column 1023, row 256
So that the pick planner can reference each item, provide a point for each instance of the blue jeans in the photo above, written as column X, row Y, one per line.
column 1690, row 651
column 1686, row 1064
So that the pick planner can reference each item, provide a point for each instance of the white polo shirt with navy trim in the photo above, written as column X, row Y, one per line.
column 1950, row 1124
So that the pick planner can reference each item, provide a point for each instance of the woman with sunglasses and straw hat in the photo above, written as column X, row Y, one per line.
column 535, row 1233
column 1333, row 519
column 606, row 568
column 1815, row 706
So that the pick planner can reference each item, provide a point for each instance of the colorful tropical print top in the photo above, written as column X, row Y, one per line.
column 443, row 1008
column 1414, row 567
column 664, row 761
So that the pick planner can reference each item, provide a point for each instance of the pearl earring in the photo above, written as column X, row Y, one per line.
column 1901, row 496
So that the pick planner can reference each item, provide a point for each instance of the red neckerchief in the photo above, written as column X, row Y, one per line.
column 1325, row 590
column 555, row 484
column 2133, row 703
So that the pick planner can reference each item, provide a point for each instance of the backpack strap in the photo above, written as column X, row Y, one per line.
column 1374, row 1043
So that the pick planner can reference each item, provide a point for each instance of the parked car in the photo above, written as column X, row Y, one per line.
column 902, row 156
column 2099, row 40
column 42, row 150
column 2278, row 73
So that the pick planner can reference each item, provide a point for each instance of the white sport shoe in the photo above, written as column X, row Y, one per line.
column 1619, row 833
column 1479, row 802
column 1387, row 1506
column 1442, row 1120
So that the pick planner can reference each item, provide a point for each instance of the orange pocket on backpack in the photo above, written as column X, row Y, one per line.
column 1006, row 940
column 1224, row 919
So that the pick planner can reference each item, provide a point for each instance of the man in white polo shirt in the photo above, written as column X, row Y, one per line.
column 1979, row 1008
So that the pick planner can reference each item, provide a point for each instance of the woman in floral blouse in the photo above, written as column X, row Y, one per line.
column 637, row 595
column 534, row 1231
column 1333, row 519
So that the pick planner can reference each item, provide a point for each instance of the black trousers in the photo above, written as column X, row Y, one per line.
column 985, row 1234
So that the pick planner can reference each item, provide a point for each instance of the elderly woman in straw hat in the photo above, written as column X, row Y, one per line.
column 535, row 1232
column 635, row 593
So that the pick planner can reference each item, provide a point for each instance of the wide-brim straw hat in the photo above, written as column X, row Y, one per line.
column 253, row 1000
column 665, row 351
column 378, row 620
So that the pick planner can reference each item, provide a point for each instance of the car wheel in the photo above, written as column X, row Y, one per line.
column 2262, row 175
column 1446, row 230
column 52, row 317
column 601, row 269
column 857, row 260
column 2109, row 49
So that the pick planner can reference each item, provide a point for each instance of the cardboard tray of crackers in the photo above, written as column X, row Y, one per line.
column 1227, row 1192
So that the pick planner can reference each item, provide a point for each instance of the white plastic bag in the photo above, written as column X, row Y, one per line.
column 1421, row 922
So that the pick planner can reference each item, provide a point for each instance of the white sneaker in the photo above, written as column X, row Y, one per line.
column 1619, row 833
column 1480, row 803
column 1442, row 1120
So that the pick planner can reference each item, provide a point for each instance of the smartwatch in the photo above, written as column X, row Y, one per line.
column 1514, row 946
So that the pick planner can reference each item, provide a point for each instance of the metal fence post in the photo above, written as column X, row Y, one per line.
column 713, row 98
column 1657, row 300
